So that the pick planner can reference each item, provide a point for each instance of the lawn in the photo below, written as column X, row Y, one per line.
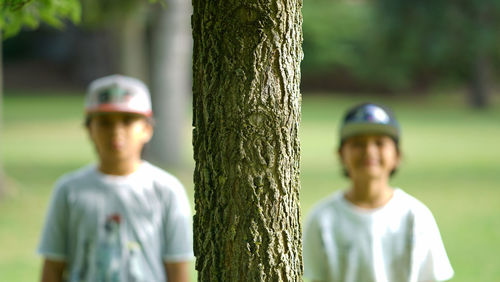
column 451, row 162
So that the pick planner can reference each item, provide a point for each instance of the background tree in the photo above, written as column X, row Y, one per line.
column 15, row 14
column 333, row 39
column 3, row 185
column 171, row 51
column 246, row 101
column 113, row 38
column 397, row 46
column 447, row 39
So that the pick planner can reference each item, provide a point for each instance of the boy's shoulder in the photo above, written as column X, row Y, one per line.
column 146, row 171
column 402, row 203
column 148, row 175
column 327, row 206
column 406, row 201
column 164, row 184
column 159, row 176
column 83, row 174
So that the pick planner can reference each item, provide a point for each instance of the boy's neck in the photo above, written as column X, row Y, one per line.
column 121, row 168
column 371, row 194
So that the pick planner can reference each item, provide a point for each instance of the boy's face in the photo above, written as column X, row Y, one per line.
column 369, row 156
column 119, row 137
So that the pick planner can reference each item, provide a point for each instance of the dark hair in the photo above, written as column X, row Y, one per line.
column 88, row 119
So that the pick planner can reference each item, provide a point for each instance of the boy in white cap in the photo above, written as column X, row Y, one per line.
column 371, row 231
column 121, row 219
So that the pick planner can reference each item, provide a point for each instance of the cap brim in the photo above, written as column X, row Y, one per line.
column 106, row 108
column 355, row 129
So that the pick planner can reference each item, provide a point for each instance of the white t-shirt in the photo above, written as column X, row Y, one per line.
column 398, row 242
column 118, row 228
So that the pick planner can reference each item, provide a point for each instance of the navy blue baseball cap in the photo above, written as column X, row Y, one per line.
column 369, row 118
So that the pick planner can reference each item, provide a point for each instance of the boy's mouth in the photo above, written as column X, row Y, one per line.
column 117, row 144
column 370, row 162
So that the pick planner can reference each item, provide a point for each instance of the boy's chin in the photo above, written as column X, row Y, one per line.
column 116, row 157
column 371, row 174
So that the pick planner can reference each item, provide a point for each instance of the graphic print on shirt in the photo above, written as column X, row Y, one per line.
column 109, row 251
column 135, row 269
column 84, row 269
column 110, row 257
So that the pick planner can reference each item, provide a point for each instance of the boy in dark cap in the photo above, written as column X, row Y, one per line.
column 372, row 231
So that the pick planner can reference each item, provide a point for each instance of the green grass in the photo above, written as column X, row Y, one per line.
column 451, row 162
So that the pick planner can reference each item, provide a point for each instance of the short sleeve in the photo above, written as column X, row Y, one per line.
column 178, row 242
column 53, row 242
column 315, row 262
column 434, row 264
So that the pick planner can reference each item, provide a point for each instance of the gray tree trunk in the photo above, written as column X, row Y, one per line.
column 170, row 81
column 246, row 101
column 478, row 94
column 132, row 43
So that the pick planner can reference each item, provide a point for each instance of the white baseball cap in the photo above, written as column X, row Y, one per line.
column 118, row 93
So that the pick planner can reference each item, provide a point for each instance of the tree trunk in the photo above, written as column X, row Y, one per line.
column 246, row 101
column 170, row 81
column 478, row 83
column 132, row 43
column 3, row 187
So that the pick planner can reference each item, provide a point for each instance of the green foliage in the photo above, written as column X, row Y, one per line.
column 333, row 32
column 395, row 42
column 443, row 37
column 14, row 14
column 99, row 13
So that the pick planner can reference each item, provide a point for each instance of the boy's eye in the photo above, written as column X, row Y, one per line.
column 357, row 143
column 128, row 120
column 103, row 122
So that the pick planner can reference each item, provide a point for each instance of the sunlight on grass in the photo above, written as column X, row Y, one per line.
column 451, row 163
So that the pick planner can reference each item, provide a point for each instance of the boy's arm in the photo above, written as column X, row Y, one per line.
column 177, row 271
column 52, row 271
column 177, row 246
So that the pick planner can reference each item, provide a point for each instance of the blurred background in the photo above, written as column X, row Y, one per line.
column 436, row 63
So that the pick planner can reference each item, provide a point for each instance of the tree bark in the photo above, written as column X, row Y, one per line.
column 170, row 81
column 246, row 99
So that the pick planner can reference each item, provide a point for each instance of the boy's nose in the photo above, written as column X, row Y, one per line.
column 117, row 128
column 370, row 147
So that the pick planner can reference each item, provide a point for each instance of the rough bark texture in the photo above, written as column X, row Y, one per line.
column 170, row 81
column 246, row 102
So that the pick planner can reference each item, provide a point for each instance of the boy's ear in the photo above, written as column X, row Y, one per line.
column 339, row 154
column 89, row 132
column 399, row 157
column 148, row 132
